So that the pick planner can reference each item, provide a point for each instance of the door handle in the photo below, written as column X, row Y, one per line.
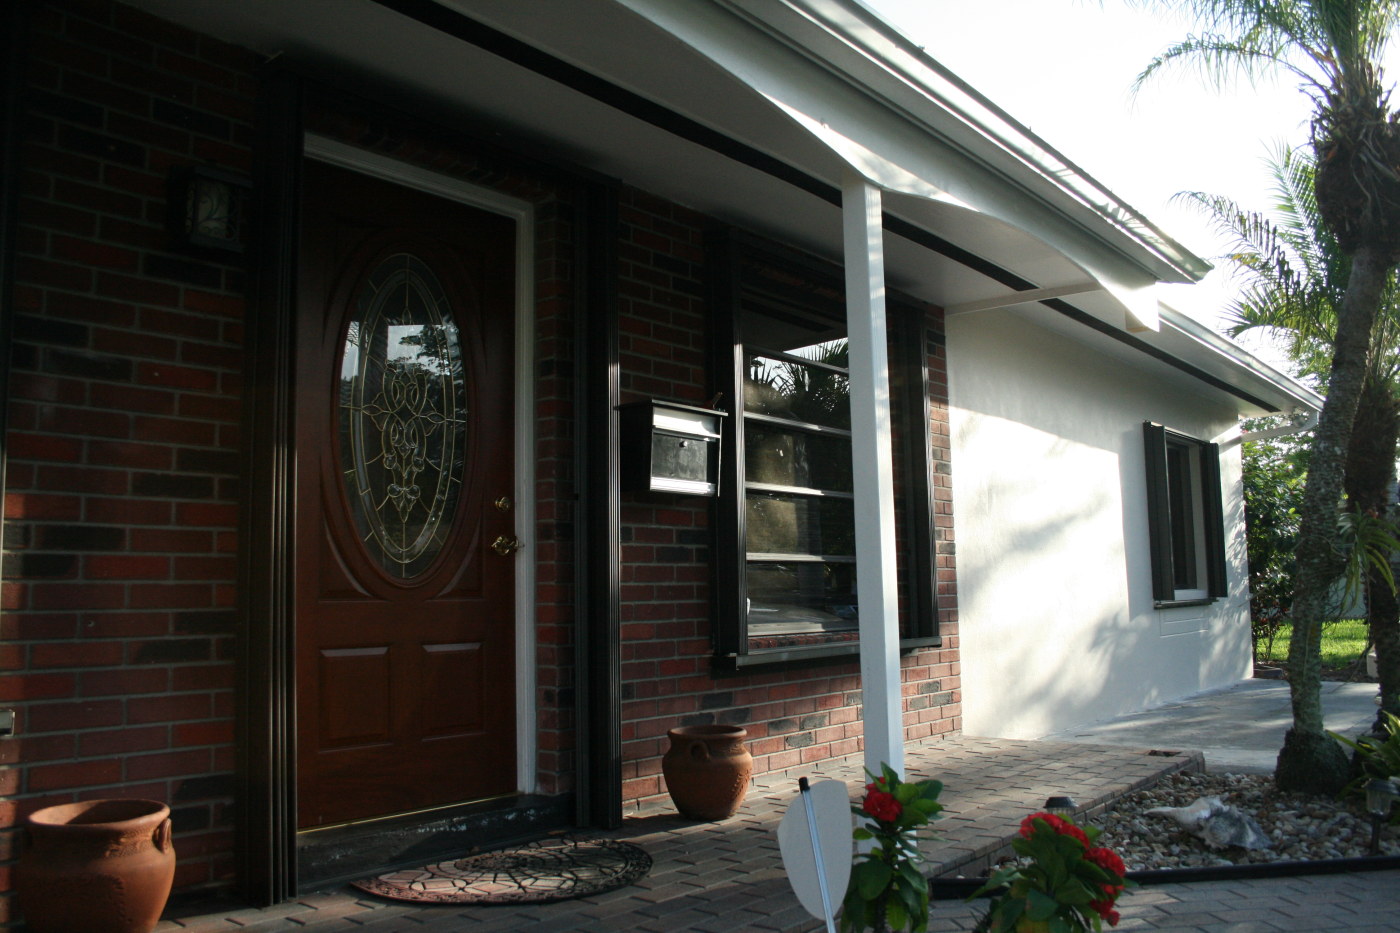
column 505, row 545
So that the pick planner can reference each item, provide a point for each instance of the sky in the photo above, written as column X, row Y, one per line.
column 1065, row 69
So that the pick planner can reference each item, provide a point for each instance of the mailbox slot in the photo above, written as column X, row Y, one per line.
column 668, row 447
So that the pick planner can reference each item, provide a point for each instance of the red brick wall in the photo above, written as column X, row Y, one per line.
column 556, row 493
column 117, row 622
column 123, row 447
column 792, row 717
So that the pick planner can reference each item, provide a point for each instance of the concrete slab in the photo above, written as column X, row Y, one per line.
column 1238, row 728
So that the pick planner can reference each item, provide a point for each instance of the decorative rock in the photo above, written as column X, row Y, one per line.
column 1300, row 827
column 1217, row 823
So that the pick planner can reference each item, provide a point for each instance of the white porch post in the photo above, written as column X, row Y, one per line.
column 873, row 472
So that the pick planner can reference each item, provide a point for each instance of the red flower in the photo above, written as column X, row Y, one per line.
column 881, row 805
column 1106, row 911
column 1106, row 859
column 1109, row 861
column 1055, row 823
column 1028, row 824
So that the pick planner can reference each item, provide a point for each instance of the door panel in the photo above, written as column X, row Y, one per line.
column 448, row 667
column 405, row 438
column 355, row 696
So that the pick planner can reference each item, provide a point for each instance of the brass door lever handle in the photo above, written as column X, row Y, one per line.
column 505, row 545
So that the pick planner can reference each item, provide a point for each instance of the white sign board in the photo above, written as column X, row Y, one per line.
column 817, row 851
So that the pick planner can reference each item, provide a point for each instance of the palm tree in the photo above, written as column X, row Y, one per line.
column 1332, row 47
column 1295, row 274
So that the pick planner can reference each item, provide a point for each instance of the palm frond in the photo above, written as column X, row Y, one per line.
column 1330, row 46
column 1220, row 60
column 1275, row 260
column 1293, row 271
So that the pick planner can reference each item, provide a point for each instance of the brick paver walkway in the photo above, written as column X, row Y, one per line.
column 727, row 877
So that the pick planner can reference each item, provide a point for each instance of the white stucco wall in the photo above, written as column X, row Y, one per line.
column 1056, row 621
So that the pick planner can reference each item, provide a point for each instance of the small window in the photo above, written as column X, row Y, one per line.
column 787, row 555
column 1184, row 517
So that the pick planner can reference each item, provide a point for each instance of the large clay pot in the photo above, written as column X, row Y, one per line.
column 100, row 866
column 707, row 770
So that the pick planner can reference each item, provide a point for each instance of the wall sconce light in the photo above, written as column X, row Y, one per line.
column 207, row 208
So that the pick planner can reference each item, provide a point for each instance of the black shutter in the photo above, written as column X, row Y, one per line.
column 1159, row 526
column 1213, row 509
column 730, row 617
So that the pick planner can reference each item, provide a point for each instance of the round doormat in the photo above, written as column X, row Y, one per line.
column 549, row 870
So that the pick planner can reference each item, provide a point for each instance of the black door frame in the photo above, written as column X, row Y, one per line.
column 14, row 45
column 266, row 728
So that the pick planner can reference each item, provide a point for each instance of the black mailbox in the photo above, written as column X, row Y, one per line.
column 668, row 447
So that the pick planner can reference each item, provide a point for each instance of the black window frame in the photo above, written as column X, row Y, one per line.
column 732, row 258
column 1176, row 563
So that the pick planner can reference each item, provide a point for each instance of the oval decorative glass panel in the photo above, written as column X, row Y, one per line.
column 403, row 415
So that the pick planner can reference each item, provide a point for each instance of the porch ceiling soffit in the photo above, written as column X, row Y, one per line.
column 959, row 166
column 723, row 70
column 717, row 78
column 1004, row 263
column 366, row 39
column 377, row 47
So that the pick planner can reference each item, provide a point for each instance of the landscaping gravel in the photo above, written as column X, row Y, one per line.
column 1303, row 828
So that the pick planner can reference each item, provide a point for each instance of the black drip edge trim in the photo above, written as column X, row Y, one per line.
column 963, row 888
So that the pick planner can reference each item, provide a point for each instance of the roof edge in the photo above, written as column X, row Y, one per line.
column 865, row 33
column 1211, row 342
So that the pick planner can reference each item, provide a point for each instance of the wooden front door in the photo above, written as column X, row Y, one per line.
column 405, row 438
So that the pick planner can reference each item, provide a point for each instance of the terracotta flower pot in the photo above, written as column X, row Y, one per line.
column 100, row 866
column 707, row 770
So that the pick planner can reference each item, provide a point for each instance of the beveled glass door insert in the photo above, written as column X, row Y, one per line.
column 403, row 415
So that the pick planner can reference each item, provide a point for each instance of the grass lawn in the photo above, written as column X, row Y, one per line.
column 1342, row 643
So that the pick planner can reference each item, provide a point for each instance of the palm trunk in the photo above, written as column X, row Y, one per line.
column 1310, row 761
column 1385, row 633
column 1370, row 483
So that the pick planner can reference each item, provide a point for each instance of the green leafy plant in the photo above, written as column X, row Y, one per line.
column 1273, row 475
column 1062, row 883
column 1380, row 758
column 887, row 891
column 1367, row 541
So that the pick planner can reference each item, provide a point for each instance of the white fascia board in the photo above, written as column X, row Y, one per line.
column 1200, row 345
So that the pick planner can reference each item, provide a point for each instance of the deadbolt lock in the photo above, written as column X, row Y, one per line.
column 503, row 504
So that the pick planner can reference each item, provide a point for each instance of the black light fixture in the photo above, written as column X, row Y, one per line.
column 1061, row 806
column 207, row 208
column 1380, row 794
